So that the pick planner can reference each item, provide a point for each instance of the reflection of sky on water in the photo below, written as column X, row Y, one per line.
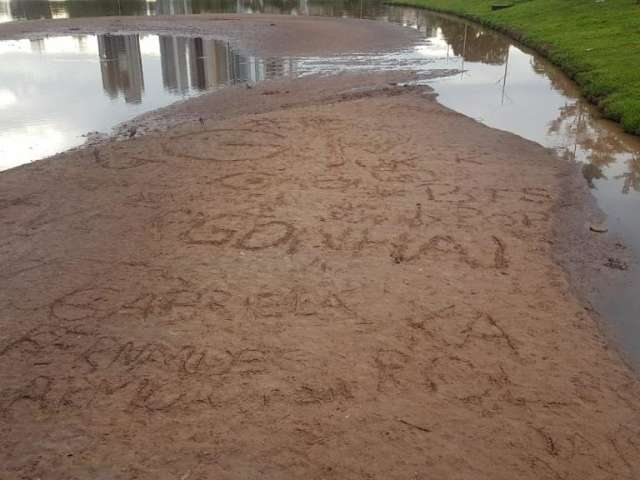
column 59, row 85
column 54, row 90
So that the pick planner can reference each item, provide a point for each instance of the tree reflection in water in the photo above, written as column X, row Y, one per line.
column 597, row 143
column 632, row 177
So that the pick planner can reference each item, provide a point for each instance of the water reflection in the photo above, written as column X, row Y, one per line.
column 632, row 177
column 501, row 84
column 115, row 78
column 464, row 41
column 513, row 89
column 121, row 66
column 40, row 9
column 597, row 143
column 43, row 9
column 201, row 64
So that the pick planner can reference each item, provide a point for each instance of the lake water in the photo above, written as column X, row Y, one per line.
column 45, row 109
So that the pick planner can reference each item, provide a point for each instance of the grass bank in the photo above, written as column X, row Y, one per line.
column 595, row 42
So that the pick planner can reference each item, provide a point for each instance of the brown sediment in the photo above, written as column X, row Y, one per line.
column 279, row 94
column 354, row 282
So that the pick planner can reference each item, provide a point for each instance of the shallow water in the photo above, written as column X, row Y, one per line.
column 501, row 84
column 45, row 110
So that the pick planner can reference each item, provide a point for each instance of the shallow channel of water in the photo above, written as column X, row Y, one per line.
column 116, row 77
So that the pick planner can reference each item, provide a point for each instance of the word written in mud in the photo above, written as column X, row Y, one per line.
column 227, row 230
column 99, row 303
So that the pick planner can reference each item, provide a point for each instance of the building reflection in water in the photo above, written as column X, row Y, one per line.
column 121, row 66
column 36, row 9
column 188, row 65
column 37, row 45
column 5, row 12
column 172, row 7
column 203, row 64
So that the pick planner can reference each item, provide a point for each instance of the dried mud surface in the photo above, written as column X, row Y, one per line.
column 355, row 287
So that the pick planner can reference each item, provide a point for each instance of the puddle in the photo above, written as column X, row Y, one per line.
column 44, row 110
column 502, row 85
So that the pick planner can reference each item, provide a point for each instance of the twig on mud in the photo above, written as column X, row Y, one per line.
column 412, row 425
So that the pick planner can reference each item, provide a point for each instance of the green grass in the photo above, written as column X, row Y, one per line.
column 596, row 43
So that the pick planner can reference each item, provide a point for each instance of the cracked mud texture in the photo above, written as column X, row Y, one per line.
column 361, row 286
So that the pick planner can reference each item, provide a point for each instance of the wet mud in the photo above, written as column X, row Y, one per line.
column 356, row 284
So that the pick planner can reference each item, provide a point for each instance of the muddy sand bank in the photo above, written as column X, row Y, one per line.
column 350, row 283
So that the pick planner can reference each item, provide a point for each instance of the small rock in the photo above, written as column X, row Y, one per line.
column 599, row 227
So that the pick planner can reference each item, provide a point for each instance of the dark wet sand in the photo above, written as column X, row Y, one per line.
column 347, row 284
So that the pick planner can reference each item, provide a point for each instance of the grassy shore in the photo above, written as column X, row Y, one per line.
column 597, row 43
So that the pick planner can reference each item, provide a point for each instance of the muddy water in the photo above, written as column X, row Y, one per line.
column 501, row 84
